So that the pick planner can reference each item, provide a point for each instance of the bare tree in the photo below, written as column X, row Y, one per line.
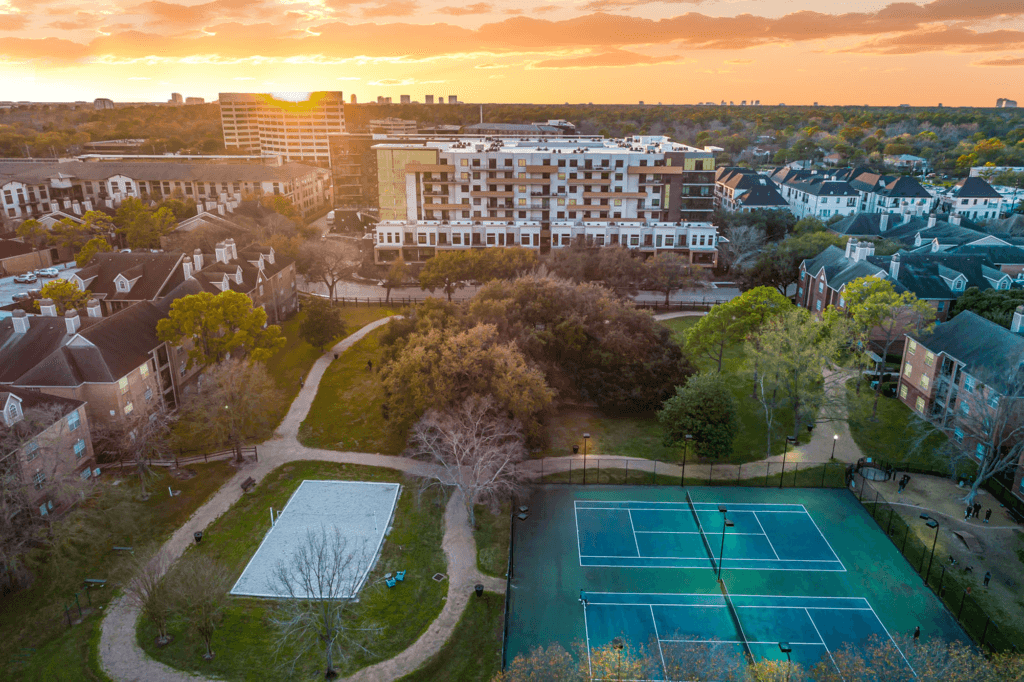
column 742, row 244
column 135, row 441
column 199, row 587
column 703, row 661
column 321, row 581
column 152, row 593
column 476, row 447
column 329, row 262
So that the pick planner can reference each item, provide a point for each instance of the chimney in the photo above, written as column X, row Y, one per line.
column 187, row 266
column 1017, row 323
column 851, row 246
column 92, row 308
column 894, row 267
column 866, row 249
column 238, row 275
column 232, row 250
column 20, row 321
column 931, row 220
column 221, row 252
column 72, row 321
column 197, row 260
column 954, row 219
column 47, row 307
column 270, row 256
column 883, row 222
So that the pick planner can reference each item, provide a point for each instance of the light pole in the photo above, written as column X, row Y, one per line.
column 785, row 648
column 785, row 451
column 726, row 523
column 931, row 523
column 835, row 439
column 686, row 447
column 586, row 437
column 617, row 644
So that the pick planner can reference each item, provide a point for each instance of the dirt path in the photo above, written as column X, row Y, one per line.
column 122, row 658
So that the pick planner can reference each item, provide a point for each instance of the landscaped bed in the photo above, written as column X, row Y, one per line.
column 245, row 644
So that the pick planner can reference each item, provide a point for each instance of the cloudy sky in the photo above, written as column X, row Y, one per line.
column 958, row 52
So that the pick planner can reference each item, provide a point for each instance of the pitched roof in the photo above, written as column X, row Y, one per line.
column 865, row 225
column 999, row 255
column 930, row 275
column 840, row 269
column 974, row 188
column 904, row 187
column 761, row 195
column 38, row 173
column 155, row 275
column 989, row 351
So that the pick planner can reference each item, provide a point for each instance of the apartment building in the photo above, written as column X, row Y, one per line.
column 965, row 375
column 296, row 130
column 45, row 448
column 846, row 191
column 974, row 198
column 34, row 190
column 901, row 196
column 744, row 190
column 393, row 126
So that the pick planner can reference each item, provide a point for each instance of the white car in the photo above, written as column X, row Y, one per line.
column 48, row 272
column 26, row 278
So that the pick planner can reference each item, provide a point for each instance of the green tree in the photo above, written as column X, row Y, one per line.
column 668, row 272
column 705, row 409
column 507, row 263
column 219, row 325
column 883, row 318
column 34, row 233
column 448, row 271
column 91, row 248
column 397, row 275
column 996, row 305
column 323, row 323
column 65, row 294
column 145, row 228
column 716, row 331
column 70, row 234
column 808, row 225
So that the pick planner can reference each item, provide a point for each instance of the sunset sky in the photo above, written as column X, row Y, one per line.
column 958, row 52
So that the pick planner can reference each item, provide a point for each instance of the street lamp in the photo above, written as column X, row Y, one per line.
column 618, row 644
column 682, row 477
column 586, row 437
column 835, row 439
column 931, row 523
column 726, row 523
column 785, row 451
column 785, row 648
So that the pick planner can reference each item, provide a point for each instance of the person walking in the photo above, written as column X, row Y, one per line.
column 917, row 633
column 988, row 576
column 967, row 512
column 977, row 509
column 988, row 515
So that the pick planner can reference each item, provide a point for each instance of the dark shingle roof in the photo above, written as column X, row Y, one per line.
column 762, row 196
column 865, row 225
column 989, row 351
column 156, row 171
column 157, row 274
column 997, row 254
column 974, row 188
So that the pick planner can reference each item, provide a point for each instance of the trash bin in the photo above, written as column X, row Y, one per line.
column 198, row 535
column 479, row 590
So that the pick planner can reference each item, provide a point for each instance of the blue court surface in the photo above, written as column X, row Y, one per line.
column 778, row 537
column 669, row 623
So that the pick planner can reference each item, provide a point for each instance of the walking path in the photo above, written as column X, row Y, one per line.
column 122, row 658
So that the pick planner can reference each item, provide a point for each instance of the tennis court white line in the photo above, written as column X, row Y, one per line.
column 713, row 506
column 891, row 639
column 766, row 536
column 732, row 641
column 686, row 532
column 635, row 543
column 760, row 596
column 697, row 506
column 699, row 556
column 734, row 567
column 722, row 606
column 823, row 640
column 654, row 622
column 586, row 631
column 822, row 535
column 579, row 549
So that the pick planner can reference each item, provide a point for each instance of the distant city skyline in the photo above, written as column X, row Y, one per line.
column 957, row 52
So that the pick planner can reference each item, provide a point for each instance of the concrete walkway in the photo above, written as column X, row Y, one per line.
column 122, row 658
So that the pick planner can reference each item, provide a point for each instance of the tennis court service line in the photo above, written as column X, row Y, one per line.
column 654, row 621
column 822, row 535
column 815, row 625
column 633, row 528
column 766, row 535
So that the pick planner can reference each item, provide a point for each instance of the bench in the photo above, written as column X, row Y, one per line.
column 248, row 484
column 130, row 550
column 95, row 582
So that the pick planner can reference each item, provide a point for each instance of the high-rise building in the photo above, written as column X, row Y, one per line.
column 405, row 99
column 642, row 192
column 428, row 99
column 1003, row 103
column 354, row 98
column 296, row 130
column 103, row 103
column 453, row 99
column 195, row 100
column 176, row 99
column 393, row 126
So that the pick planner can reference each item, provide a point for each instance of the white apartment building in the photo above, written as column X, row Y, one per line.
column 296, row 130
column 975, row 199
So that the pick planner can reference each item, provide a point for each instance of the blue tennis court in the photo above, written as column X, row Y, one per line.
column 669, row 623
column 778, row 537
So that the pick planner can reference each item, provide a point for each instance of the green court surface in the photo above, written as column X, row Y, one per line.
column 804, row 566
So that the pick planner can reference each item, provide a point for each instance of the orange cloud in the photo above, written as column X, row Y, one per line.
column 478, row 8
column 393, row 8
column 13, row 22
column 606, row 59
column 1001, row 61
column 544, row 9
column 173, row 13
column 600, row 5
column 944, row 38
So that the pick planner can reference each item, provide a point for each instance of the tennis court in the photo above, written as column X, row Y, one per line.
column 804, row 566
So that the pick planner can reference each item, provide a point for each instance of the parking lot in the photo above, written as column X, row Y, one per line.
column 8, row 287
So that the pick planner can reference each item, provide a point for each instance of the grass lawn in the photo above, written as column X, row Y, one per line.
column 346, row 413
column 473, row 653
column 895, row 433
column 492, row 538
column 245, row 643
column 34, row 637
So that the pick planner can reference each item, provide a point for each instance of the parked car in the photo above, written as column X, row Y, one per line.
column 26, row 278
column 20, row 296
column 48, row 272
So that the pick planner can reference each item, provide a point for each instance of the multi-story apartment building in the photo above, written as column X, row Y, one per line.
column 901, row 196
column 647, row 193
column 745, row 190
column 393, row 126
column 296, row 130
column 34, row 190
column 45, row 448
column 846, row 191
column 817, row 195
column 965, row 376
column 974, row 198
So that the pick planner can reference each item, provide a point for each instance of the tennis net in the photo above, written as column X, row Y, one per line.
column 707, row 545
column 736, row 621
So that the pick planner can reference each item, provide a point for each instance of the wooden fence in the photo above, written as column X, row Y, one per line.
column 247, row 451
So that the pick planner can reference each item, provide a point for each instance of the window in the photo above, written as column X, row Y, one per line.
column 38, row 479
column 79, row 448
column 31, row 450
column 181, row 368
column 128, row 407
column 903, row 391
column 123, row 384
column 634, row 241
column 908, row 369
column 817, row 305
column 993, row 401
column 941, row 306
column 979, row 451
column 912, row 347
column 74, row 421
column 522, row 202
column 920, row 405
column 522, row 163
column 969, row 383
column 925, row 381
column 149, row 394
column 463, row 162
column 561, row 176
column 12, row 413
column 86, row 473
column 965, row 408
column 929, row 358
column 821, row 287
column 958, row 435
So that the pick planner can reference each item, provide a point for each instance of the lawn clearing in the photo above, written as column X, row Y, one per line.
column 346, row 413
column 34, row 636
column 492, row 538
column 473, row 652
column 245, row 644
